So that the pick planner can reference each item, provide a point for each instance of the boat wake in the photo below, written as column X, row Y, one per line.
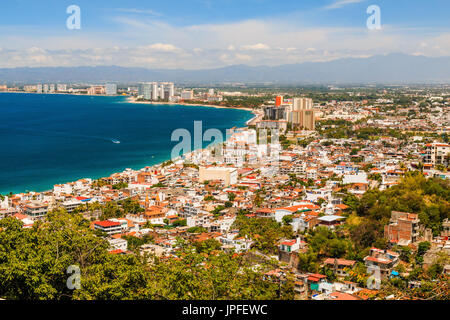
column 54, row 134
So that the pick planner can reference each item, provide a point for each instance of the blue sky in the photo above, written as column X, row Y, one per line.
column 212, row 33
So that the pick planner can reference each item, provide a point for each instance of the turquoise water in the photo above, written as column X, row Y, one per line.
column 51, row 139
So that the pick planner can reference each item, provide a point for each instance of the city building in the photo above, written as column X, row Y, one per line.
column 302, row 104
column 154, row 91
column 225, row 174
column 437, row 154
column 383, row 260
column 303, row 119
column 145, row 90
column 301, row 113
column 403, row 228
column 61, row 87
column 36, row 210
column 187, row 95
column 111, row 89
column 94, row 90
column 339, row 266
column 109, row 227
column 274, row 113
column 162, row 92
column 278, row 101
column 118, row 244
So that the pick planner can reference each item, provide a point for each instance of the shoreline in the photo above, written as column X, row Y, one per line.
column 256, row 113
column 132, row 100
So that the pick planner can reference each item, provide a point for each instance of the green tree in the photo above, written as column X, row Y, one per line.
column 231, row 196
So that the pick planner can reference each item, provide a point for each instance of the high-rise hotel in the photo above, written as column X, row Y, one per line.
column 154, row 91
column 299, row 113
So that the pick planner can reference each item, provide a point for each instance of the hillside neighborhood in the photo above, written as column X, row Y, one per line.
column 326, row 199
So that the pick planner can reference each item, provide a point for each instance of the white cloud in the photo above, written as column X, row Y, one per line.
column 210, row 45
column 36, row 50
column 258, row 46
column 224, row 57
column 139, row 11
column 163, row 47
column 341, row 3
column 243, row 57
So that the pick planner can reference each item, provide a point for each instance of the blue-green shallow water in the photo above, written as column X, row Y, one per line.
column 51, row 139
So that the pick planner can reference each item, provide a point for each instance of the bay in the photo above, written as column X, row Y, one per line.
column 47, row 139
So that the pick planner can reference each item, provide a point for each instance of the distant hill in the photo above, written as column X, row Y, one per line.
column 392, row 68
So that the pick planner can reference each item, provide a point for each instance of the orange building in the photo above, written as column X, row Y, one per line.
column 278, row 101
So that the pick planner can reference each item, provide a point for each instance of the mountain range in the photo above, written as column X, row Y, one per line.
column 388, row 69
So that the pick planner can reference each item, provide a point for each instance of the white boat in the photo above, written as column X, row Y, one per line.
column 115, row 141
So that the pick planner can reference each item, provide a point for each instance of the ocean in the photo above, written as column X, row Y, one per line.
column 52, row 139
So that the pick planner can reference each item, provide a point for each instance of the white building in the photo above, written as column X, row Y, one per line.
column 145, row 91
column 61, row 87
column 225, row 174
column 70, row 205
column 239, row 244
column 111, row 89
column 154, row 90
column 360, row 177
column 161, row 91
column 118, row 244
column 187, row 95
column 437, row 153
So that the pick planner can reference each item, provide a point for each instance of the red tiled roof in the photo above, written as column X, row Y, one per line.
column 107, row 223
column 343, row 296
column 341, row 262
column 118, row 251
column 378, row 260
column 289, row 242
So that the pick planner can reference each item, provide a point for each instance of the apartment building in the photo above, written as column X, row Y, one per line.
column 403, row 228
column 109, row 227
column 339, row 266
column 35, row 210
column 383, row 260
column 96, row 90
column 227, row 175
column 437, row 153
column 187, row 95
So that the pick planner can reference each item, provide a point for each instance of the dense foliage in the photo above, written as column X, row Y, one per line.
column 429, row 198
column 264, row 232
column 34, row 263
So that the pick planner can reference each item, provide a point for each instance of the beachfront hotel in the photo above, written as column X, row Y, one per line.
column 299, row 113
column 155, row 91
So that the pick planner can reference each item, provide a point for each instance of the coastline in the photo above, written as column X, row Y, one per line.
column 131, row 100
column 257, row 113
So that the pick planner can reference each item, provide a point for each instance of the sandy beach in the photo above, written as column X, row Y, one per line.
column 133, row 100
column 257, row 113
